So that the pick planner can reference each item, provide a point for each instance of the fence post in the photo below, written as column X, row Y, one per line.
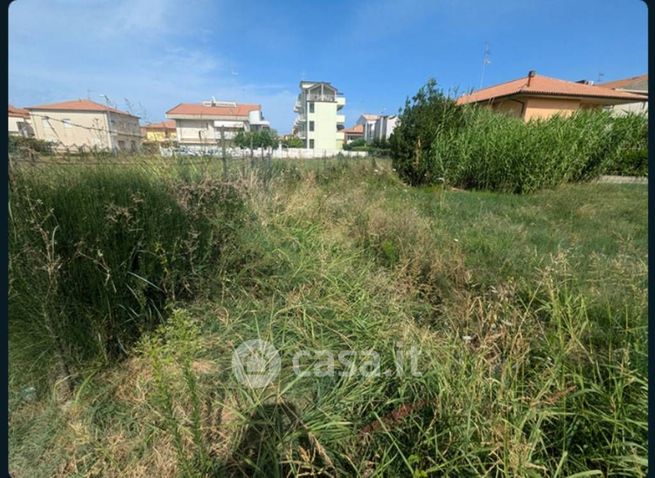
column 223, row 152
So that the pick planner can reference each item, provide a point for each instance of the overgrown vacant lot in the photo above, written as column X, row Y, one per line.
column 529, row 311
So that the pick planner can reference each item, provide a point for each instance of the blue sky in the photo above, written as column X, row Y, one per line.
column 149, row 55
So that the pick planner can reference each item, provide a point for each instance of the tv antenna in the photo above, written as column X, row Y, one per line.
column 600, row 76
column 485, row 61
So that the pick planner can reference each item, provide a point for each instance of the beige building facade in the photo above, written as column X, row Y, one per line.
column 86, row 125
column 204, row 126
column 540, row 97
column 19, row 122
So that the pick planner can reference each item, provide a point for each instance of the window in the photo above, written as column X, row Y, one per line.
column 311, row 126
column 121, row 145
column 311, row 106
column 67, row 123
column 311, row 143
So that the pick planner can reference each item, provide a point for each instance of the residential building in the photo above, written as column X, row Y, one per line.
column 351, row 134
column 86, row 124
column 384, row 126
column 161, row 132
column 206, row 125
column 319, row 122
column 20, row 123
column 635, row 84
column 535, row 96
column 368, row 121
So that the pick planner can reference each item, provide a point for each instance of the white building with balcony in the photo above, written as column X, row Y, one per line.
column 206, row 125
column 319, row 122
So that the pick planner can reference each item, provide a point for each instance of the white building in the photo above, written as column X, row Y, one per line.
column 384, row 126
column 319, row 122
column 205, row 125
column 368, row 121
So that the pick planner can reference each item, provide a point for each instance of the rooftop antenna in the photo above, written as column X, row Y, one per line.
column 107, row 101
column 485, row 61
column 600, row 76
column 129, row 106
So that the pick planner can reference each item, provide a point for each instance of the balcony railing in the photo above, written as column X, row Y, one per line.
column 319, row 97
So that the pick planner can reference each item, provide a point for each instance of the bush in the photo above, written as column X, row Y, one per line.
column 96, row 253
column 20, row 144
column 293, row 142
column 475, row 147
column 430, row 112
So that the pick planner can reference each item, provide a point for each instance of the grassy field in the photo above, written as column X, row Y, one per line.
column 530, row 312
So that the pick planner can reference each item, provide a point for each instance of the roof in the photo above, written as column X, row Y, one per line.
column 357, row 129
column 544, row 85
column 78, row 105
column 167, row 124
column 199, row 109
column 18, row 112
column 369, row 117
column 634, row 83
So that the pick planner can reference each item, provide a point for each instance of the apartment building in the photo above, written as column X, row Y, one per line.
column 19, row 122
column 368, row 121
column 85, row 124
column 319, row 122
column 384, row 126
column 161, row 132
column 205, row 125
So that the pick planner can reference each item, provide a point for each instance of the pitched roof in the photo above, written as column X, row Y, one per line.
column 544, row 85
column 638, row 83
column 167, row 124
column 199, row 109
column 18, row 112
column 79, row 105
column 357, row 129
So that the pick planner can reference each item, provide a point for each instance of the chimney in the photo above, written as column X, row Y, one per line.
column 531, row 74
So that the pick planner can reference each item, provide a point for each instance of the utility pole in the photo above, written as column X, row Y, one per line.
column 485, row 61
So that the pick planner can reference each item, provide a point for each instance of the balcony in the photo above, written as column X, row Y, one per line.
column 318, row 97
column 341, row 101
column 341, row 119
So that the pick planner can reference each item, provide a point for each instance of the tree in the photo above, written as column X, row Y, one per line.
column 429, row 113
column 293, row 142
column 264, row 138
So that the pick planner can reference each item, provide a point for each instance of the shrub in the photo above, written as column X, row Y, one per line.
column 475, row 147
column 430, row 112
column 22, row 144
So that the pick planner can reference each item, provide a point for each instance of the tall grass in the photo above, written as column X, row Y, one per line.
column 96, row 252
column 530, row 312
column 475, row 147
column 500, row 153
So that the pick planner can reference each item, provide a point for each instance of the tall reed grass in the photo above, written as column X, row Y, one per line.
column 96, row 252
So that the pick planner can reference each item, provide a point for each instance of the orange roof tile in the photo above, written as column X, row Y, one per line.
column 357, row 129
column 544, row 85
column 198, row 109
column 78, row 105
column 167, row 124
column 18, row 112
